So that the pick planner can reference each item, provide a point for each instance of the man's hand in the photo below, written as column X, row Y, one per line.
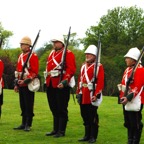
column 20, row 82
column 60, row 86
column 79, row 98
column 94, row 98
column 124, row 100
column 16, row 89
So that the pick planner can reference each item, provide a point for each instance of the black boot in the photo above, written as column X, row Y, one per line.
column 27, row 128
column 23, row 120
column 130, row 136
column 135, row 141
column 140, row 132
column 136, row 136
column 93, row 133
column 28, row 124
column 22, row 126
column 62, row 128
column 87, row 134
column 55, row 127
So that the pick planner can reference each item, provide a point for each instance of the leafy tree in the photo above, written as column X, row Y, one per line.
column 4, row 35
column 44, row 49
column 119, row 30
column 8, row 74
column 9, row 58
column 73, row 41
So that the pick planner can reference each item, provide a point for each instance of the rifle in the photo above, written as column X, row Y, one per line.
column 64, row 55
column 96, row 66
column 28, row 57
column 63, row 60
column 132, row 73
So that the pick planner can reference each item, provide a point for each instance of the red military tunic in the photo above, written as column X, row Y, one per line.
column 137, row 83
column 83, row 82
column 53, row 63
column 32, row 66
column 1, row 73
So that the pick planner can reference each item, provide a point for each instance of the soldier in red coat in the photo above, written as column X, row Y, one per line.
column 132, row 118
column 1, row 83
column 58, row 92
column 26, row 96
column 88, row 102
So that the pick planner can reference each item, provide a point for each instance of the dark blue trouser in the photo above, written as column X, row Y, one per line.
column 26, row 98
column 90, row 119
column 58, row 101
column 134, row 125
column 1, row 98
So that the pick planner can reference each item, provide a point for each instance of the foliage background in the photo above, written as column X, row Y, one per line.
column 119, row 30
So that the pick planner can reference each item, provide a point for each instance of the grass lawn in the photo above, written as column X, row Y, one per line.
column 111, row 130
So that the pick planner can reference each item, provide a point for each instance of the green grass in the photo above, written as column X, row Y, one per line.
column 111, row 130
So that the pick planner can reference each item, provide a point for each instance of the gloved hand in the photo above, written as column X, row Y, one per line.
column 130, row 96
column 64, row 82
column 79, row 98
column 27, row 81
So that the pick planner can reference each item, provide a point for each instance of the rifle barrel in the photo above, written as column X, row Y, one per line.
column 64, row 55
column 96, row 65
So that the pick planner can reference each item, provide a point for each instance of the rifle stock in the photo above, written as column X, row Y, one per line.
column 64, row 55
column 25, row 63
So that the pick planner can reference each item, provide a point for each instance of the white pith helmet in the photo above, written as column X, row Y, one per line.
column 133, row 53
column 61, row 39
column 92, row 49
column 26, row 40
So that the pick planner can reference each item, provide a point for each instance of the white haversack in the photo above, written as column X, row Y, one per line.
column 34, row 85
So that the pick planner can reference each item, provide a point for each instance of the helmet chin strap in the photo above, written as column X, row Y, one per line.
column 56, row 48
column 26, row 50
column 90, row 61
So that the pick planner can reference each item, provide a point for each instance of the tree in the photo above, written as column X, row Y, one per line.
column 122, row 26
column 4, row 35
column 9, row 58
column 119, row 30
column 73, row 41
